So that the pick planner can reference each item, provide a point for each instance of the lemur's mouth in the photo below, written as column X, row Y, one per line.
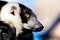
column 6, row 32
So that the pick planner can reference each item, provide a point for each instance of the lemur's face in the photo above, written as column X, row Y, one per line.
column 15, row 17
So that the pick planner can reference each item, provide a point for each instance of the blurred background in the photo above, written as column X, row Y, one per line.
column 48, row 13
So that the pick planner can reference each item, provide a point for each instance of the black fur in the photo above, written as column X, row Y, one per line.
column 26, row 35
column 8, row 29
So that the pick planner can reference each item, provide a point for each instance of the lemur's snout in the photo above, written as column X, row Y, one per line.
column 38, row 27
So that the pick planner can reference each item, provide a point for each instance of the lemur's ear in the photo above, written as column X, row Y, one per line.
column 13, row 9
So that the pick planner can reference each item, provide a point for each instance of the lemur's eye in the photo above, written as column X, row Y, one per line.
column 27, row 15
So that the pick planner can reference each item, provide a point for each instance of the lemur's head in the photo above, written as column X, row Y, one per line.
column 14, row 16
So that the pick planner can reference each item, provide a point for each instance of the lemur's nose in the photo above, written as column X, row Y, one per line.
column 39, row 28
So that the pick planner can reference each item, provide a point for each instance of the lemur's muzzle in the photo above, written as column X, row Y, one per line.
column 6, row 32
column 38, row 27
